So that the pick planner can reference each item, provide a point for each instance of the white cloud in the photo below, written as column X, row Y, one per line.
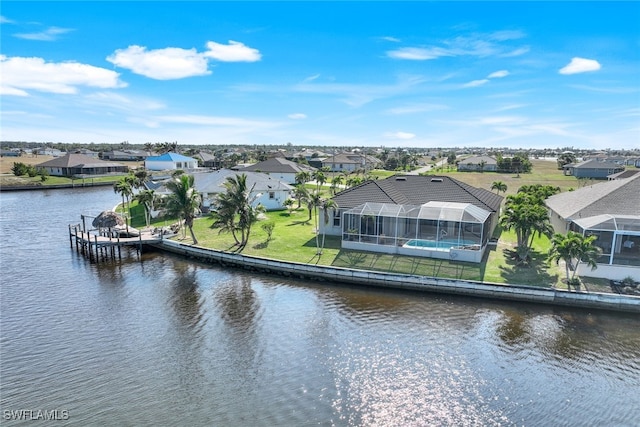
column 476, row 83
column 311, row 78
column 498, row 74
column 580, row 65
column 19, row 75
column 416, row 108
column 399, row 135
column 417, row 53
column 391, row 39
column 481, row 45
column 233, row 52
column 5, row 20
column 297, row 116
column 50, row 34
column 217, row 121
column 161, row 64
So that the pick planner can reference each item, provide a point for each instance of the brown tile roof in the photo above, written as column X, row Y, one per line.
column 417, row 190
column 75, row 161
column 278, row 165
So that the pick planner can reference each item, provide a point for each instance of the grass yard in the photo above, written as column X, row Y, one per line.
column 543, row 172
column 293, row 239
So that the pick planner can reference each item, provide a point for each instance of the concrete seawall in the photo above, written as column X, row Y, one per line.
column 52, row 186
column 521, row 293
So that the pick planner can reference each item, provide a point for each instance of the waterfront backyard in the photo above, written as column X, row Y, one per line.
column 293, row 239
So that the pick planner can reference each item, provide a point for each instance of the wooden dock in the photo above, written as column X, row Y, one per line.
column 99, row 244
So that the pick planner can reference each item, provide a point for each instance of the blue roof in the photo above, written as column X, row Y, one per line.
column 171, row 157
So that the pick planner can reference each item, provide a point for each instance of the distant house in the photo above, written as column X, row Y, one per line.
column 478, row 164
column 429, row 216
column 349, row 162
column 79, row 165
column 280, row 169
column 611, row 211
column 209, row 160
column 128, row 155
column 170, row 161
column 593, row 168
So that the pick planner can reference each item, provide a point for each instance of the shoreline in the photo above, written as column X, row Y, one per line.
column 340, row 275
column 52, row 186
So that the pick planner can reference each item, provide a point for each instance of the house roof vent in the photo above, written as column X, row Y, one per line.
column 401, row 178
column 436, row 179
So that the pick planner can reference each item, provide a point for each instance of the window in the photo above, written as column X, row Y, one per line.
column 336, row 218
column 272, row 195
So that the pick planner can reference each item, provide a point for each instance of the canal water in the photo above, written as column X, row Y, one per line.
column 162, row 340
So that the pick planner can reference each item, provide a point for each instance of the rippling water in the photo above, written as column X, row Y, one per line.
column 165, row 341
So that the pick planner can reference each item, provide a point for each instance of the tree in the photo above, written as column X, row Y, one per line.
column 300, row 193
column 481, row 165
column 302, row 177
column 573, row 248
column 320, row 179
column 565, row 158
column 125, row 189
column 184, row 201
column 499, row 186
column 234, row 211
column 336, row 182
column 527, row 216
column 147, row 199
column 326, row 205
column 288, row 203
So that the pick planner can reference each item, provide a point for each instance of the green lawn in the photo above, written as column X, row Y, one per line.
column 293, row 239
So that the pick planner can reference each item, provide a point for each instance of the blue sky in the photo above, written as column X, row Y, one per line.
column 411, row 74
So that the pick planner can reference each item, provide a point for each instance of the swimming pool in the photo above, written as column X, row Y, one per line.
column 440, row 244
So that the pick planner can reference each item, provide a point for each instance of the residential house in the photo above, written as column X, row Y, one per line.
column 264, row 189
column 280, row 169
column 429, row 216
column 79, row 165
column 478, row 164
column 593, row 168
column 350, row 162
column 126, row 155
column 170, row 161
column 611, row 211
column 210, row 160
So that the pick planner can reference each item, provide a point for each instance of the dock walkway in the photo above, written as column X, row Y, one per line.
column 96, row 242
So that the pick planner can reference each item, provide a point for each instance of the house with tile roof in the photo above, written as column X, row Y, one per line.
column 429, row 216
column 170, row 161
column 350, row 162
column 611, row 211
column 265, row 190
column 478, row 164
column 593, row 168
column 79, row 165
column 280, row 169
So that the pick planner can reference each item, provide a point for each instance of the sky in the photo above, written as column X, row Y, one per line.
column 373, row 74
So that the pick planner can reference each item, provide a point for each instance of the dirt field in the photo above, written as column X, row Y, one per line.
column 6, row 163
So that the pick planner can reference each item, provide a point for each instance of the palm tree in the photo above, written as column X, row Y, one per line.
column 499, row 186
column 146, row 198
column 573, row 248
column 326, row 205
column 335, row 183
column 125, row 189
column 527, row 216
column 301, row 194
column 234, row 211
column 184, row 201
column 320, row 179
column 302, row 177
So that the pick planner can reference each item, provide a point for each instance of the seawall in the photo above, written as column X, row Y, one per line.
column 529, row 294
column 52, row 186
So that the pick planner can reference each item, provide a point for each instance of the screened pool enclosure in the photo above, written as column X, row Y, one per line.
column 617, row 236
column 435, row 229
